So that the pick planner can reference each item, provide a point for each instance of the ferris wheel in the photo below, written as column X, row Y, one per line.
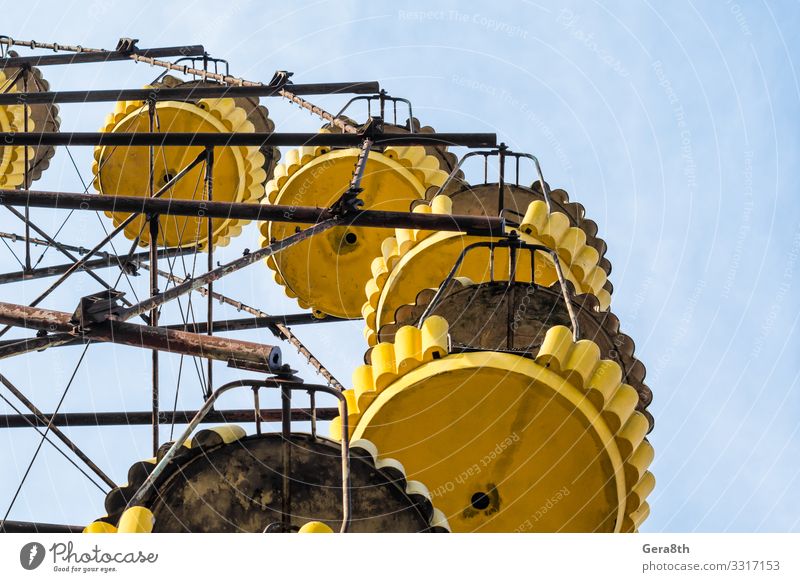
column 497, row 391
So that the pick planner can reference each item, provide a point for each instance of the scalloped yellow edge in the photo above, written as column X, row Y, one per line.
column 424, row 167
column 576, row 362
column 229, row 118
column 12, row 158
column 552, row 229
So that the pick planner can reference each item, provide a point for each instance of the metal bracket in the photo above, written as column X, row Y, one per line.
column 127, row 45
column 96, row 308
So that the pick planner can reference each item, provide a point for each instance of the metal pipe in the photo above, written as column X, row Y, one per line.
column 184, row 93
column 143, row 417
column 279, row 329
column 286, row 457
column 101, row 56
column 256, row 139
column 209, row 183
column 108, row 261
column 9, row 348
column 153, row 222
column 149, row 482
column 257, row 410
column 143, row 336
column 501, row 179
column 36, row 527
column 26, row 179
column 227, row 325
column 476, row 225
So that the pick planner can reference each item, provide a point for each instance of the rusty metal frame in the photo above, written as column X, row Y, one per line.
column 473, row 225
column 260, row 356
column 254, row 139
column 142, row 417
column 286, row 386
column 514, row 245
column 502, row 152
column 180, row 94
column 71, row 329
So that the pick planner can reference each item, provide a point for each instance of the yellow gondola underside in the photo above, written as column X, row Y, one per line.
column 238, row 175
column 506, row 443
column 413, row 260
column 328, row 271
column 12, row 158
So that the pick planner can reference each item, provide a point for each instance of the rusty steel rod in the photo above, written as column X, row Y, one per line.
column 209, row 187
column 143, row 418
column 107, row 260
column 101, row 56
column 143, row 336
column 15, row 347
column 476, row 225
column 153, row 221
column 36, row 527
column 255, row 139
column 185, row 93
column 256, row 322
column 9, row 348
column 279, row 328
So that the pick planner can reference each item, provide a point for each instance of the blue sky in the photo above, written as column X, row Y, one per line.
column 675, row 124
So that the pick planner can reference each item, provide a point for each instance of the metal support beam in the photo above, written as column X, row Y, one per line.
column 143, row 418
column 475, row 225
column 34, row 527
column 227, row 325
column 101, row 56
column 255, row 139
column 109, row 260
column 79, row 262
column 347, row 203
column 259, row 356
column 16, row 347
column 185, row 93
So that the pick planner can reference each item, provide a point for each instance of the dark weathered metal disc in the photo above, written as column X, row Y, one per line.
column 237, row 487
